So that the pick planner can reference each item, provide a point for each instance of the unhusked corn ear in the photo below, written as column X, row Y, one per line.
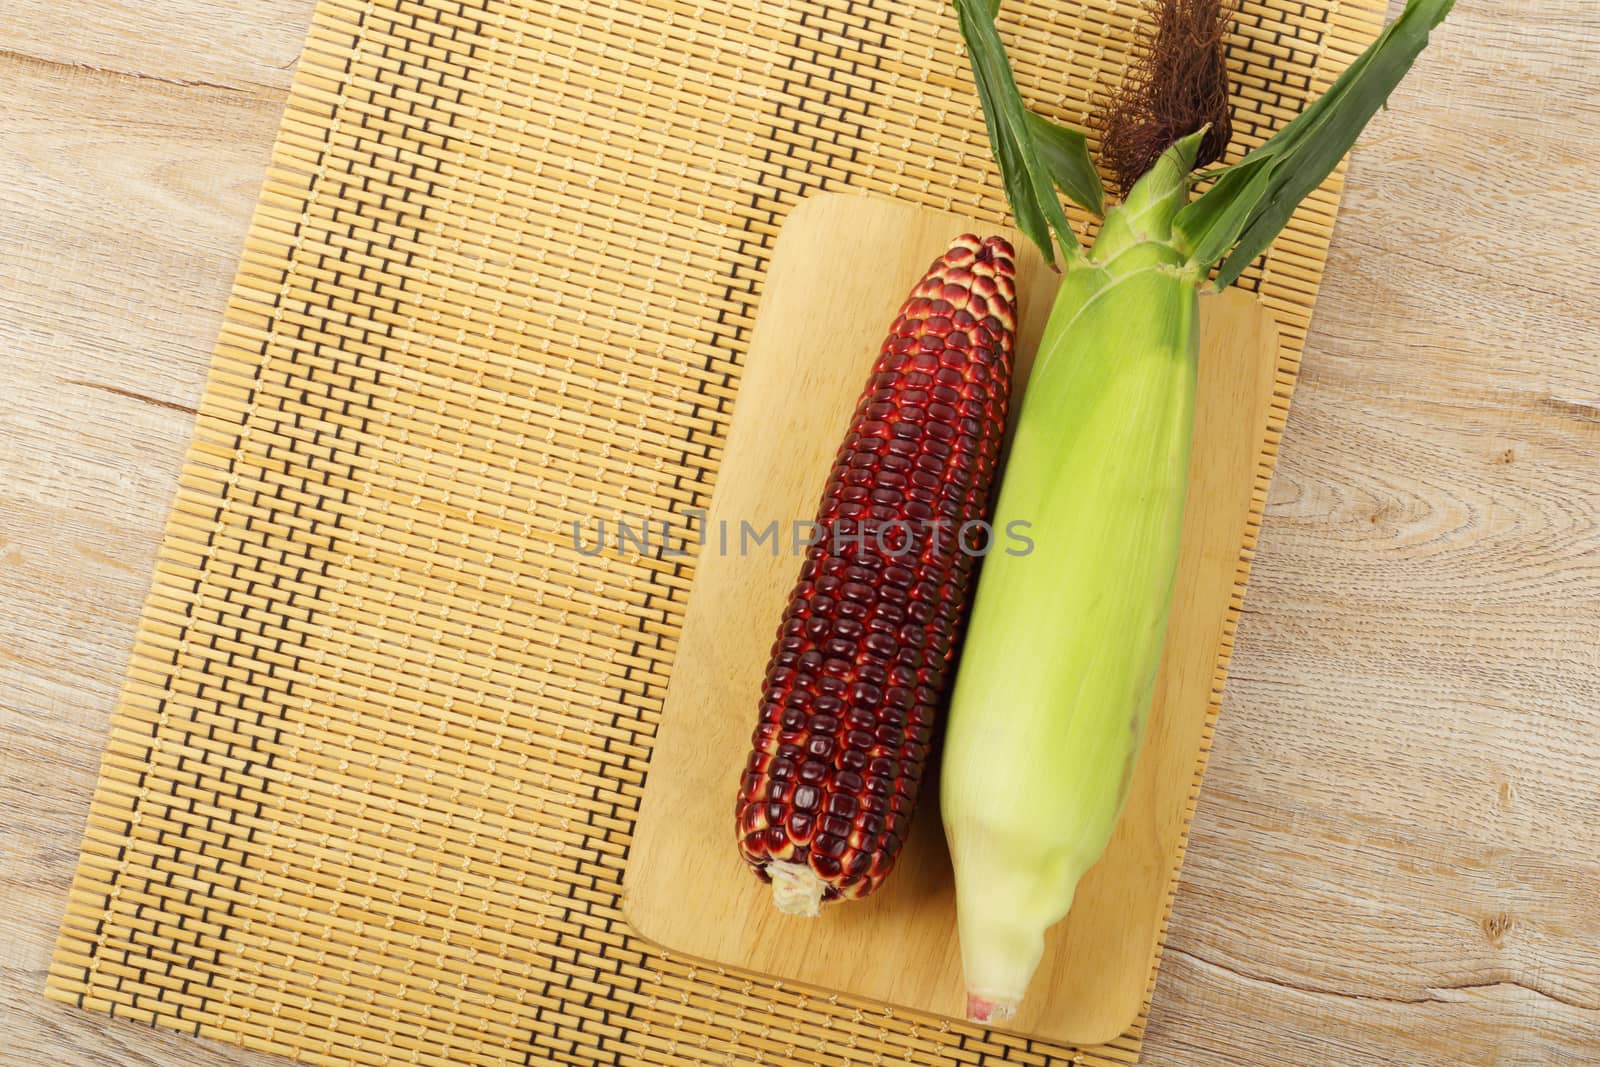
column 863, row 654
column 1059, row 665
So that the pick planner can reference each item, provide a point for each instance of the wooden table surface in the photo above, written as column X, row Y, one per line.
column 1396, row 858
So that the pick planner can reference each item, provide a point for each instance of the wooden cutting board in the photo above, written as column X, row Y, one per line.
column 841, row 267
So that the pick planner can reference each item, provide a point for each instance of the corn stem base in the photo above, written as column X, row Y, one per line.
column 796, row 889
column 987, row 1010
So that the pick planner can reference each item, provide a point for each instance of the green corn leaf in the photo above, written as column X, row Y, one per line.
column 1008, row 156
column 1025, row 209
column 1029, row 182
column 1206, row 228
column 1298, row 157
column 1065, row 154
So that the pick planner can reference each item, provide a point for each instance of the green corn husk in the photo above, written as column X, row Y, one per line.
column 1045, row 720
column 1064, row 643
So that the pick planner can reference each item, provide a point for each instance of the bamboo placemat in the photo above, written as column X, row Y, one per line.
column 370, row 785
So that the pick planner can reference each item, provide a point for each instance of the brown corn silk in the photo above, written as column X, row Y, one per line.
column 1176, row 83
column 863, row 654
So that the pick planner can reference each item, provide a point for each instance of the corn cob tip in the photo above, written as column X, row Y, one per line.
column 985, row 1010
column 796, row 889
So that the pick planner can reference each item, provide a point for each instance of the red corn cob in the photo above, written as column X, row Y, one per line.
column 864, row 652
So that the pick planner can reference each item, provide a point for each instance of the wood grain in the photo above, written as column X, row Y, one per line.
column 124, row 201
column 1396, row 856
column 816, row 333
column 1394, row 859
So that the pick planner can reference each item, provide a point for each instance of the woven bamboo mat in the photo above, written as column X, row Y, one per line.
column 370, row 784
